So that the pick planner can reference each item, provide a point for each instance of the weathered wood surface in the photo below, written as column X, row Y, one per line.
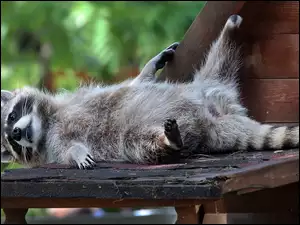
column 273, row 100
column 264, row 18
column 196, row 179
column 273, row 56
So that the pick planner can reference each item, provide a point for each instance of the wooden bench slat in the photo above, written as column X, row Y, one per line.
column 93, row 202
column 202, row 178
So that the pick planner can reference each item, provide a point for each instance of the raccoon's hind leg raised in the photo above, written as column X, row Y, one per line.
column 156, row 63
column 219, row 72
column 223, row 59
column 152, row 145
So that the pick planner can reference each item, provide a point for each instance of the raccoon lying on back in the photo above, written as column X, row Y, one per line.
column 140, row 120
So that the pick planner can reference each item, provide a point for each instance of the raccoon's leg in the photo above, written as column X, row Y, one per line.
column 156, row 63
column 223, row 58
column 80, row 154
column 219, row 72
column 152, row 145
column 234, row 132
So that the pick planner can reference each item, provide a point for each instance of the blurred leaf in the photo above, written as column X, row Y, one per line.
column 98, row 37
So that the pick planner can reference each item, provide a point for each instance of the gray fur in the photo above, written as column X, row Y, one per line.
column 125, row 122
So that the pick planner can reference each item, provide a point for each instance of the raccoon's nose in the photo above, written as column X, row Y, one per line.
column 16, row 134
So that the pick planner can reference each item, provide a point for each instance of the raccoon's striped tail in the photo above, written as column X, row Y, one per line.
column 242, row 133
column 274, row 137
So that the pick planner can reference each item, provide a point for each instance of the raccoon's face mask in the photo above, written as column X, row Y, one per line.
column 20, row 126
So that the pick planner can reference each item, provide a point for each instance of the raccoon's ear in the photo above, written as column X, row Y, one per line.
column 5, row 96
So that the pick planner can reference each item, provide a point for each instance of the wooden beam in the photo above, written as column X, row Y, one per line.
column 79, row 202
column 283, row 199
column 203, row 31
column 264, row 177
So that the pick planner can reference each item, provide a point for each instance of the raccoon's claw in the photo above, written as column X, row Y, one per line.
column 88, row 163
column 166, row 55
column 81, row 156
column 173, row 134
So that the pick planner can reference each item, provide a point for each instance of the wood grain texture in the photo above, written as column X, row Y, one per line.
column 198, row 38
column 263, row 18
column 272, row 100
column 275, row 56
column 243, row 182
column 200, row 178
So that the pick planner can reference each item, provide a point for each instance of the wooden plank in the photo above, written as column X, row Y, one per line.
column 272, row 100
column 205, row 28
column 95, row 202
column 200, row 180
column 262, row 177
column 263, row 18
column 283, row 199
column 200, row 166
column 275, row 56
column 109, row 190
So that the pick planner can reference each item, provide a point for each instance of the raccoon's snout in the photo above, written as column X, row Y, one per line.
column 16, row 134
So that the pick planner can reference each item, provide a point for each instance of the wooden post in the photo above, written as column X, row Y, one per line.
column 15, row 216
column 187, row 215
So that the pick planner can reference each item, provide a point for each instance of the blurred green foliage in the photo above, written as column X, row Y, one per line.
column 97, row 37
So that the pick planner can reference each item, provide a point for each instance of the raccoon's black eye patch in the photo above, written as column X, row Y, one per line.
column 12, row 116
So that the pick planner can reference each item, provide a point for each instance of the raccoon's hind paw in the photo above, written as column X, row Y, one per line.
column 234, row 21
column 166, row 56
column 172, row 133
column 81, row 156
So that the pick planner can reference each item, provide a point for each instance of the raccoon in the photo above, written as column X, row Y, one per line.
column 140, row 120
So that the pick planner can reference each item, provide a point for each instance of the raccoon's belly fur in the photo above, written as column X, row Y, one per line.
column 101, row 120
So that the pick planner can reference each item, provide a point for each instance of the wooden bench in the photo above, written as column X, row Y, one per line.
column 257, row 182
column 239, row 182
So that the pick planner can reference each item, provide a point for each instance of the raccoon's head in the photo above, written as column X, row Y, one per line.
column 21, row 126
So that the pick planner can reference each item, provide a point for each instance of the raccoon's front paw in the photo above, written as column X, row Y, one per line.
column 86, row 162
column 166, row 56
column 173, row 134
column 81, row 156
